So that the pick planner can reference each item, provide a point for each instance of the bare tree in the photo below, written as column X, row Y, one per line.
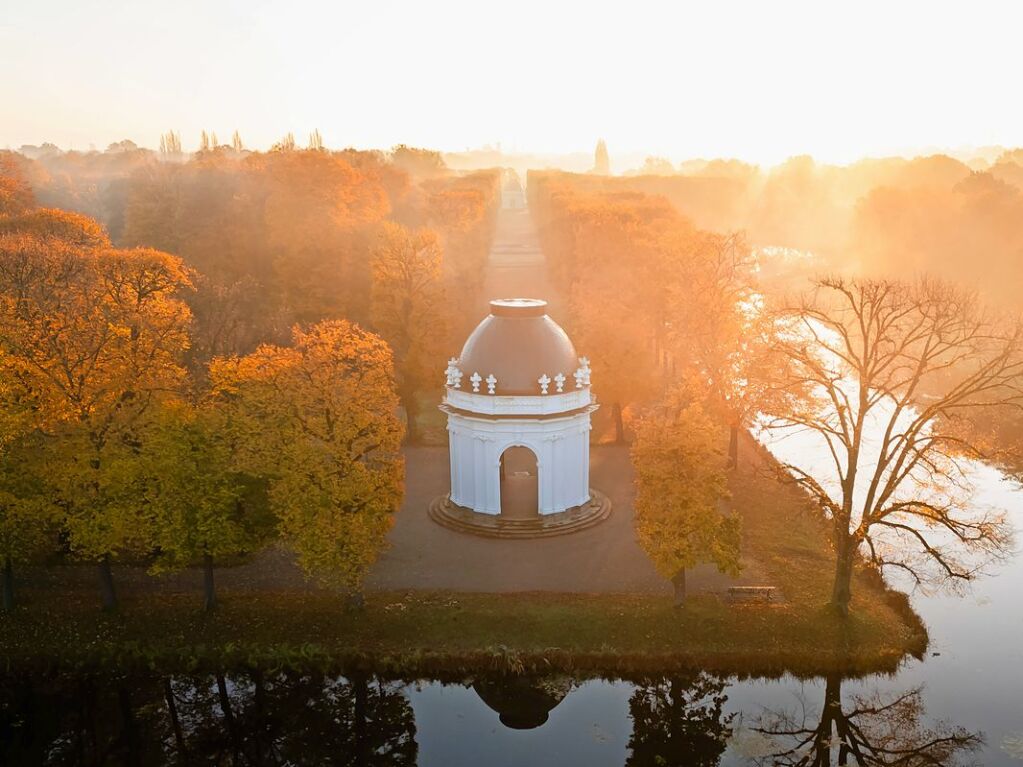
column 892, row 377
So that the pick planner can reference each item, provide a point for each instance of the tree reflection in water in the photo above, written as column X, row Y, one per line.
column 290, row 718
column 872, row 731
column 679, row 721
column 257, row 719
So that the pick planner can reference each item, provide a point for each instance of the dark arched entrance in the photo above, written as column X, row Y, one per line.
column 519, row 484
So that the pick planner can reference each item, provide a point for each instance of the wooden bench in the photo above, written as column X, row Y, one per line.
column 751, row 593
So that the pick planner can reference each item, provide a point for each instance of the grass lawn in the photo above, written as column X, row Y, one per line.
column 423, row 632
column 789, row 538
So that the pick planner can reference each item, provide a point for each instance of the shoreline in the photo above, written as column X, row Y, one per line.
column 439, row 633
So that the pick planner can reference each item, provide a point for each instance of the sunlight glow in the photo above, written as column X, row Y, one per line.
column 758, row 81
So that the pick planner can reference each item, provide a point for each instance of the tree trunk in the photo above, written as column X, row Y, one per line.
column 679, row 584
column 172, row 710
column 232, row 729
column 106, row 584
column 841, row 592
column 355, row 601
column 129, row 727
column 733, row 445
column 359, row 717
column 8, row 586
column 209, row 594
column 616, row 413
column 259, row 698
column 411, row 406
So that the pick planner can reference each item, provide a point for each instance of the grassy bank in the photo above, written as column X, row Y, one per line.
column 443, row 633
column 790, row 540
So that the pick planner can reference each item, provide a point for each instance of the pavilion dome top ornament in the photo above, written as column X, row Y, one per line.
column 518, row 352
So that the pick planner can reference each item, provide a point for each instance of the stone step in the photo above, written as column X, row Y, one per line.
column 444, row 513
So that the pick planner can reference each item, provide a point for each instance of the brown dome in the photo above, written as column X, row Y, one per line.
column 517, row 343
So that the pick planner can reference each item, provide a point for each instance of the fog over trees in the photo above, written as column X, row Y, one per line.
column 160, row 302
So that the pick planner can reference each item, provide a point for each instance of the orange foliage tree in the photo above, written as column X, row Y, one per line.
column 96, row 335
column 409, row 310
column 15, row 193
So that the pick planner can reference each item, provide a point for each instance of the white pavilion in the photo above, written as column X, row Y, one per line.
column 518, row 403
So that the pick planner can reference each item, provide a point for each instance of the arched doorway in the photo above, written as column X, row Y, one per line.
column 520, row 488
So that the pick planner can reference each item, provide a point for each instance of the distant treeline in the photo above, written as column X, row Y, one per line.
column 891, row 217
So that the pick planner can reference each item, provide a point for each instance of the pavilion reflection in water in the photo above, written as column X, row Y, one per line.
column 522, row 702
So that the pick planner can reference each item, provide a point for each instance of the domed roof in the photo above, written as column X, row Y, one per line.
column 517, row 344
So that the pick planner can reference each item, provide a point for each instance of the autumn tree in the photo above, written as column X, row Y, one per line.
column 409, row 310
column 611, row 270
column 15, row 193
column 320, row 420
column 200, row 507
column 72, row 229
column 418, row 163
column 891, row 378
column 719, row 333
column 608, row 325
column 680, row 487
column 317, row 209
column 96, row 337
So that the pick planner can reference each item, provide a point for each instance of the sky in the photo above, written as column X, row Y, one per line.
column 760, row 81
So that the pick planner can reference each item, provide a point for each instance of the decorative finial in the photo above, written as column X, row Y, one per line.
column 475, row 379
column 559, row 382
column 544, row 382
column 582, row 375
column 491, row 383
column 453, row 373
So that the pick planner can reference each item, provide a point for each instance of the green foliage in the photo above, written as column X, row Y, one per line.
column 28, row 518
column 680, row 486
column 95, row 487
column 198, row 503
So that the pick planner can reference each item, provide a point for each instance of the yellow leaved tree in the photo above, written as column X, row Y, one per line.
column 320, row 420
column 680, row 485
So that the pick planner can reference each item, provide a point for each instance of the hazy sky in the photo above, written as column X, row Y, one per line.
column 760, row 80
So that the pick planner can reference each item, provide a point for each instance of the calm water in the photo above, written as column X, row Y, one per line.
column 962, row 704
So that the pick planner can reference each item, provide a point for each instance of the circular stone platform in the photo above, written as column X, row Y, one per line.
column 454, row 517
